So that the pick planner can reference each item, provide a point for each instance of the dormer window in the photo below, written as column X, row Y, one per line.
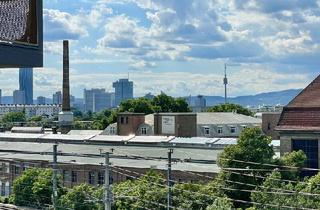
column 144, row 131
column 206, row 131
column 233, row 129
column 220, row 130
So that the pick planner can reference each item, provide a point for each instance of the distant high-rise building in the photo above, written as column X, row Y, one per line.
column 123, row 90
column 95, row 100
column 149, row 96
column 200, row 101
column 72, row 100
column 57, row 98
column 26, row 84
column 41, row 100
column 0, row 96
column 19, row 97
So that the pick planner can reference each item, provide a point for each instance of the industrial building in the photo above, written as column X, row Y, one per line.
column 80, row 159
column 205, row 124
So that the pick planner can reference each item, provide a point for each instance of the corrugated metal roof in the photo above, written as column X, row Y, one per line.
column 85, row 132
column 151, row 139
column 194, row 140
column 66, row 137
column 226, row 141
column 106, row 138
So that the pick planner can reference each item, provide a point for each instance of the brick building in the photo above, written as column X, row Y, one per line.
column 269, row 123
column 299, row 124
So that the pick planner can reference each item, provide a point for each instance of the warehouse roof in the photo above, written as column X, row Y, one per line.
column 225, row 118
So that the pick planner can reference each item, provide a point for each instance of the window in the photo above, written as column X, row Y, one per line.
column 206, row 131
column 220, row 130
column 310, row 148
column 66, row 176
column 74, row 176
column 127, row 120
column 101, row 178
column 112, row 130
column 269, row 126
column 91, row 177
column 122, row 120
column 16, row 170
column 144, row 131
column 233, row 129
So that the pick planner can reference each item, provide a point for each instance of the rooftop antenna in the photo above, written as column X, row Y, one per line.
column 225, row 82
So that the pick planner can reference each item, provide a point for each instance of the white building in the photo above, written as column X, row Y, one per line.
column 224, row 124
column 48, row 111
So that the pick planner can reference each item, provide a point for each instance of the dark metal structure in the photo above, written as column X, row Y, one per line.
column 66, row 82
column 21, row 33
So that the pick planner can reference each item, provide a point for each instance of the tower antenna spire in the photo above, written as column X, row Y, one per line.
column 225, row 82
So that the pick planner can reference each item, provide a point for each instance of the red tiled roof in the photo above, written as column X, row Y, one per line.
column 309, row 97
column 303, row 112
column 300, row 118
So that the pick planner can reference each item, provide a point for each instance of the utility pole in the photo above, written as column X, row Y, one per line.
column 54, row 177
column 169, row 195
column 225, row 82
column 107, row 191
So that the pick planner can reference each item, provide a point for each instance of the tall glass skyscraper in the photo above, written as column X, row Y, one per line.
column 26, row 84
column 123, row 90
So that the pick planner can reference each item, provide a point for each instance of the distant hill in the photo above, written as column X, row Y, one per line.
column 271, row 98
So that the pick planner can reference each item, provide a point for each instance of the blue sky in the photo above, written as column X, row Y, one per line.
column 180, row 46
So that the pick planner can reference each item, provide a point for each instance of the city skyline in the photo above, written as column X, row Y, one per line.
column 26, row 84
column 160, row 45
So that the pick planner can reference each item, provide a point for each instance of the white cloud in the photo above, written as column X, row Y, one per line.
column 62, row 25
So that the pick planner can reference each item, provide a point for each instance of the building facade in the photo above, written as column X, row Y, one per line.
column 49, row 111
column 269, row 123
column 96, row 100
column 18, row 97
column 41, row 100
column 299, row 125
column 57, row 97
column 210, row 125
column 26, row 84
column 123, row 90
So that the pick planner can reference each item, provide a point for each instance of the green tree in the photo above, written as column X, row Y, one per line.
column 80, row 197
column 35, row 119
column 165, row 103
column 231, row 108
column 221, row 204
column 140, row 105
column 33, row 188
column 14, row 117
column 148, row 192
column 294, row 161
column 252, row 146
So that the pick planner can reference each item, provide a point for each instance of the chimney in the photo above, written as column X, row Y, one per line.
column 66, row 116
column 66, row 82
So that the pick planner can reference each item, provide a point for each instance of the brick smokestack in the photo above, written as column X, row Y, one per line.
column 66, row 116
column 66, row 82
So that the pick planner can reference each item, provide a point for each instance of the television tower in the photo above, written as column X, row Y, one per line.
column 225, row 82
